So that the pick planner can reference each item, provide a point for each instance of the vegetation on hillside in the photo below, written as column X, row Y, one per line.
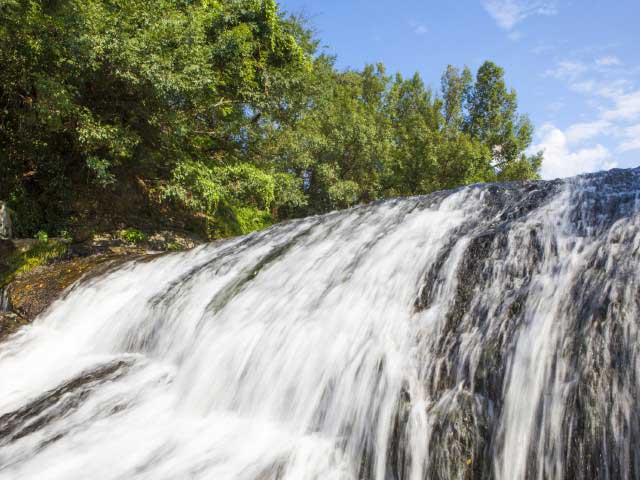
column 222, row 117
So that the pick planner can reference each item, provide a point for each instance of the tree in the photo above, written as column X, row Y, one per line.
column 456, row 88
column 99, row 93
column 416, row 121
column 223, row 117
column 345, row 137
column 493, row 119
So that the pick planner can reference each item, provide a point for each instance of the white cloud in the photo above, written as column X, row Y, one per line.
column 507, row 13
column 615, row 97
column 580, row 132
column 626, row 106
column 608, row 61
column 613, row 89
column 629, row 145
column 543, row 48
column 567, row 70
column 584, row 86
column 515, row 35
column 561, row 161
column 417, row 27
column 573, row 71
column 610, row 91
column 632, row 139
column 420, row 30
column 556, row 106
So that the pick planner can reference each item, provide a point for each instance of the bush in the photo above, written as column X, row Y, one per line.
column 240, row 221
column 132, row 235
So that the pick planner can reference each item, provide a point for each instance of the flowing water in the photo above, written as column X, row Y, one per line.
column 488, row 332
column 4, row 301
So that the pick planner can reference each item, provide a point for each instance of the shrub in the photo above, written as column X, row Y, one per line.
column 132, row 235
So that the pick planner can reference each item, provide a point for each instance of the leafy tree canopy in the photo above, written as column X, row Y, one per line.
column 224, row 116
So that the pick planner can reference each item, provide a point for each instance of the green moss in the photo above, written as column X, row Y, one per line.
column 39, row 253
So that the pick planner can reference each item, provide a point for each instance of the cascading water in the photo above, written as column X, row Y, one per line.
column 490, row 332
column 4, row 300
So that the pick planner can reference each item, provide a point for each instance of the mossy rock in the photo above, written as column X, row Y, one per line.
column 27, row 256
column 32, row 292
column 36, row 273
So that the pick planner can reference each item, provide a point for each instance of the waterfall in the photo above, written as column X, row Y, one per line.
column 5, row 302
column 486, row 332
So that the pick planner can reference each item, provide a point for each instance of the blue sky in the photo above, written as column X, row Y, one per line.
column 575, row 64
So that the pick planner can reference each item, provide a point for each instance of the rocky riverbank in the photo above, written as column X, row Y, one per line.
column 34, row 273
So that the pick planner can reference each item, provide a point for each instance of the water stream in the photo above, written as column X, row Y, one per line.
column 488, row 332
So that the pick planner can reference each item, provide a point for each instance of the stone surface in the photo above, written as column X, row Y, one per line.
column 6, row 228
column 7, row 248
column 31, row 293
column 9, row 323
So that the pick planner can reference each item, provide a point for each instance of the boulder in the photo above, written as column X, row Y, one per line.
column 6, row 230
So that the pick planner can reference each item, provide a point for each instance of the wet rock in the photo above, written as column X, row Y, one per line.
column 31, row 293
column 458, row 445
column 273, row 472
column 56, row 403
column 10, row 323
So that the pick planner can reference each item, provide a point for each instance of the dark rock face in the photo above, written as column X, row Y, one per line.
column 7, row 248
column 582, row 426
column 55, row 404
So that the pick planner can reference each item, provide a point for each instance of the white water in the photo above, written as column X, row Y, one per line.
column 285, row 354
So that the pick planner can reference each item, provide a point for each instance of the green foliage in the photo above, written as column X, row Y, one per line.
column 174, row 247
column 65, row 235
column 225, row 116
column 241, row 220
column 493, row 119
column 42, row 237
column 250, row 219
column 132, row 235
